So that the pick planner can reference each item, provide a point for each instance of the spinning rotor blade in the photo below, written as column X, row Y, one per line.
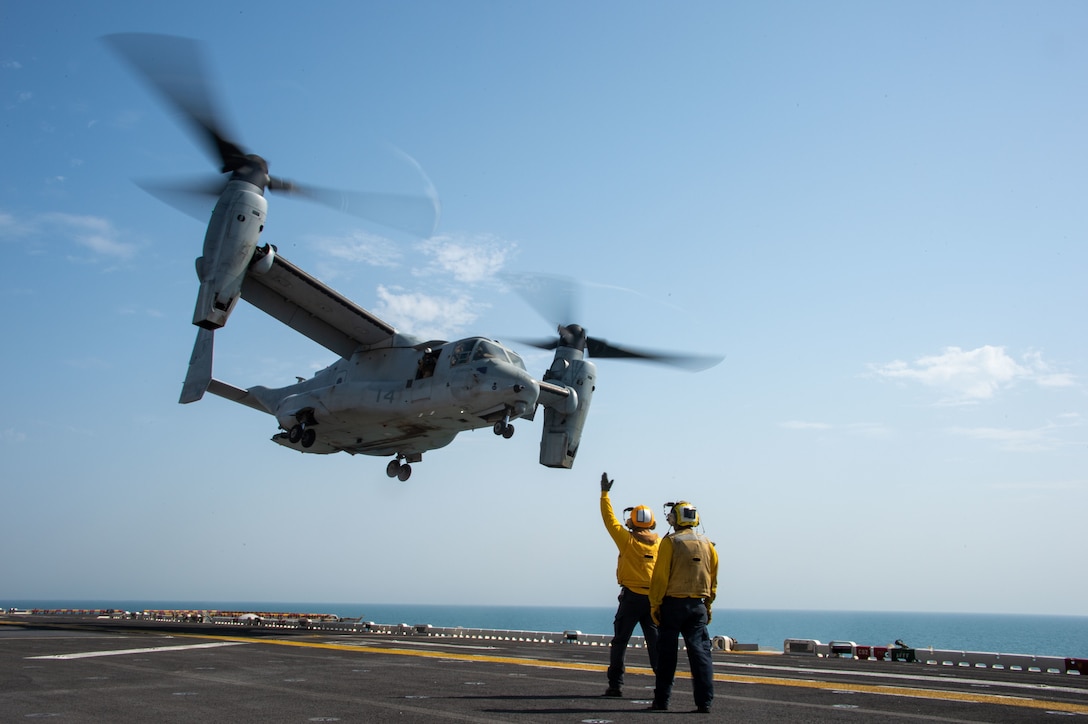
column 549, row 294
column 195, row 196
column 174, row 67
column 602, row 349
column 695, row 363
column 550, row 343
column 408, row 212
column 555, row 298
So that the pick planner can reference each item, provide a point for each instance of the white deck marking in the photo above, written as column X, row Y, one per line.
column 151, row 650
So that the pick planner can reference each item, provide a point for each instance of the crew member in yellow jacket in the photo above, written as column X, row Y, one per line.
column 683, row 587
column 637, row 544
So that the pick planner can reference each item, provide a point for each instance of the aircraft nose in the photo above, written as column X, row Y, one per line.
column 527, row 390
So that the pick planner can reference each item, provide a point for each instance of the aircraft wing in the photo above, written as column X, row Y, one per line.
column 553, row 395
column 308, row 306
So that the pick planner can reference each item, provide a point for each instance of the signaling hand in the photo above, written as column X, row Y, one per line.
column 606, row 484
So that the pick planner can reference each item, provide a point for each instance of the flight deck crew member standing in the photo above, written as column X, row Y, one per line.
column 637, row 544
column 682, row 589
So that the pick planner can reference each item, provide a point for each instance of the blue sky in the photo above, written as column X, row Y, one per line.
column 875, row 211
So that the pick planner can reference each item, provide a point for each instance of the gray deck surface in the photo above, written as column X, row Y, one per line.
column 74, row 674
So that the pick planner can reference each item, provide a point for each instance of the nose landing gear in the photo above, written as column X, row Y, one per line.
column 504, row 428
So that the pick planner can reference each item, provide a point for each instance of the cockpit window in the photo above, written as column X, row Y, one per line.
column 461, row 352
column 515, row 359
column 486, row 350
column 479, row 350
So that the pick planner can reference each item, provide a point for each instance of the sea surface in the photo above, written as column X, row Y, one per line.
column 1065, row 636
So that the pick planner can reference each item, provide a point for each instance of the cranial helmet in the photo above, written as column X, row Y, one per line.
column 682, row 514
column 641, row 517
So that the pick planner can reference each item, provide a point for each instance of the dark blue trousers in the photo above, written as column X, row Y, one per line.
column 634, row 609
column 686, row 617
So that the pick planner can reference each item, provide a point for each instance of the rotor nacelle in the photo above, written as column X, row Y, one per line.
column 563, row 425
column 233, row 234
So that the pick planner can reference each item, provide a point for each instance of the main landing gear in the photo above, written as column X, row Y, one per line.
column 397, row 469
column 303, row 434
column 504, row 428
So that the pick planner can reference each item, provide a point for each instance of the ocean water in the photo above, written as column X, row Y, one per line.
column 1065, row 636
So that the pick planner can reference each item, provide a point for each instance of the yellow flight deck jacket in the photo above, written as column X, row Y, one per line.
column 687, row 567
column 638, row 550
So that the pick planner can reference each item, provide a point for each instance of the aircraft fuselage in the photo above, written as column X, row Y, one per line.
column 403, row 400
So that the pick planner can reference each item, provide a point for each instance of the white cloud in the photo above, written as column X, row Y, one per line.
column 801, row 425
column 91, row 232
column 361, row 248
column 14, row 228
column 11, row 435
column 94, row 233
column 469, row 260
column 133, row 311
column 450, row 263
column 973, row 375
column 1055, row 485
column 1031, row 440
column 862, row 429
column 1043, row 375
column 430, row 317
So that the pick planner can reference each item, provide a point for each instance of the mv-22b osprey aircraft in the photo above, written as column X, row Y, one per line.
column 389, row 394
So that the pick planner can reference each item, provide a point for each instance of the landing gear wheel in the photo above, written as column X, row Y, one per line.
column 393, row 468
column 295, row 433
column 404, row 473
column 508, row 432
column 500, row 426
column 308, row 437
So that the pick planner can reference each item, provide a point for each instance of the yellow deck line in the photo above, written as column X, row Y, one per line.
column 878, row 689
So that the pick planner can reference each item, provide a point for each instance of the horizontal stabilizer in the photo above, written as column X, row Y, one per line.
column 199, row 375
column 236, row 394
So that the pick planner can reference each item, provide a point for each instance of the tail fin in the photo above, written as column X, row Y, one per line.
column 199, row 375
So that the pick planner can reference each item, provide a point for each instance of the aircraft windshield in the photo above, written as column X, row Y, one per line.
column 515, row 359
column 481, row 350
column 486, row 350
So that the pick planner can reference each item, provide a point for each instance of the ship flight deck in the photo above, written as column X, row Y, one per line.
column 89, row 668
